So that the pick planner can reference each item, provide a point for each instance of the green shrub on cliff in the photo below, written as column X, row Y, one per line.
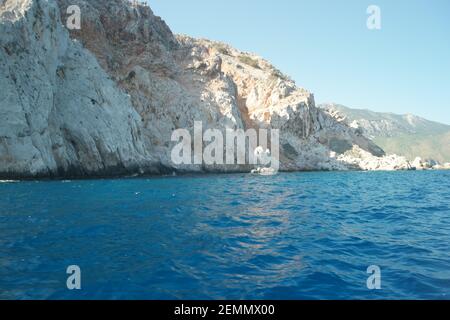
column 249, row 61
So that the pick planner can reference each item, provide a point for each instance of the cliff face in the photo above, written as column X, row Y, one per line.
column 408, row 135
column 60, row 112
column 105, row 99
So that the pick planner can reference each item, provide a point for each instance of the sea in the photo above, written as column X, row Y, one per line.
column 306, row 235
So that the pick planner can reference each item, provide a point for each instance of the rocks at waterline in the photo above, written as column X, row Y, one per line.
column 420, row 164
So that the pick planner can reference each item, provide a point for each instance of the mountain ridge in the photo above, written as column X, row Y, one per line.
column 407, row 135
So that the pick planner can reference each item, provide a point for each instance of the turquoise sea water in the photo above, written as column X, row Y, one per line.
column 290, row 236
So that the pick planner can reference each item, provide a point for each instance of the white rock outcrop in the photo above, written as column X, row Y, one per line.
column 445, row 166
column 60, row 113
column 361, row 159
column 104, row 100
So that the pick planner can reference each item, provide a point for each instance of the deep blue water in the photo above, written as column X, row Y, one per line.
column 290, row 236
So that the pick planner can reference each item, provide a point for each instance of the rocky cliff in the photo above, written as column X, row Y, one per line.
column 61, row 113
column 104, row 100
column 407, row 135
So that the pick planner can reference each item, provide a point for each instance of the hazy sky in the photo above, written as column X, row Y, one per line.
column 326, row 47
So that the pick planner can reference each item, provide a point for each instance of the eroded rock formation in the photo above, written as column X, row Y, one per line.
column 104, row 100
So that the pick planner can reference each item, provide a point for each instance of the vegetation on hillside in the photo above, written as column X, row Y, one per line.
column 222, row 49
column 249, row 61
column 436, row 147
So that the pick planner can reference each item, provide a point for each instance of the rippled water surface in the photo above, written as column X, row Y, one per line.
column 291, row 236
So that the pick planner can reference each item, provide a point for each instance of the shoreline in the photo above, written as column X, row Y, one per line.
column 192, row 174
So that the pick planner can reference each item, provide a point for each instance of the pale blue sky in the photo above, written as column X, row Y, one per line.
column 325, row 46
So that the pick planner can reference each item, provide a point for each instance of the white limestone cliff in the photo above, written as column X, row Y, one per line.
column 104, row 100
column 60, row 114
